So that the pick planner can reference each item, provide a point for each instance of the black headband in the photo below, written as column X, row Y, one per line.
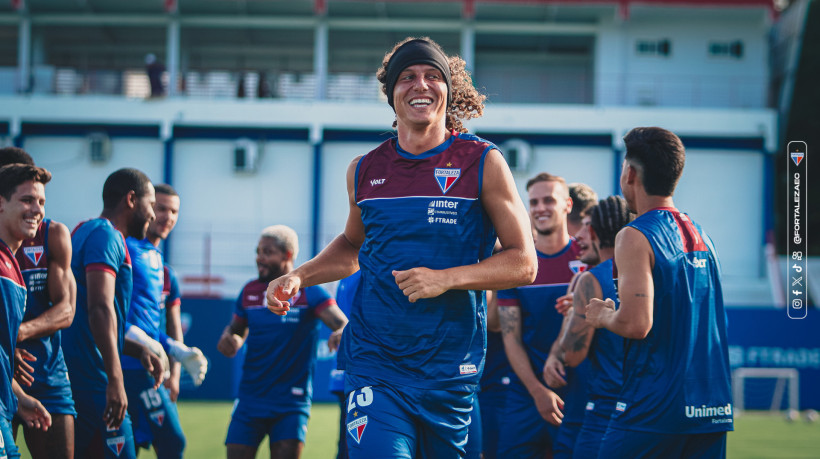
column 412, row 53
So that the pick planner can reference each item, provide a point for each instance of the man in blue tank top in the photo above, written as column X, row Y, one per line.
column 676, row 396
column 424, row 211
column 22, row 200
column 45, row 261
column 529, row 325
column 578, row 338
column 277, row 376
column 95, row 341
column 153, row 413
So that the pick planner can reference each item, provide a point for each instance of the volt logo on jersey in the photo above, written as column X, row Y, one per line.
column 797, row 156
column 356, row 428
column 158, row 417
column 446, row 177
column 34, row 253
column 116, row 444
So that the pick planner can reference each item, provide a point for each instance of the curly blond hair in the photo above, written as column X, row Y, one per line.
column 467, row 103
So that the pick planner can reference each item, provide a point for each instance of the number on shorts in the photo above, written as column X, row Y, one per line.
column 363, row 398
column 150, row 398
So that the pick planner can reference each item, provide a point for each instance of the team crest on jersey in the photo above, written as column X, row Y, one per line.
column 116, row 444
column 577, row 266
column 356, row 428
column 158, row 417
column 797, row 157
column 34, row 253
column 446, row 177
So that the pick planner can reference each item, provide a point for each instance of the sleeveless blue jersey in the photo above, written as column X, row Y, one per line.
column 146, row 309
column 280, row 350
column 420, row 211
column 13, row 298
column 677, row 380
column 606, row 353
column 49, row 367
column 96, row 245
column 540, row 322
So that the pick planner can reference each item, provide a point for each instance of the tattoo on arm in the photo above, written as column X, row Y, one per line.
column 578, row 329
column 642, row 295
column 510, row 318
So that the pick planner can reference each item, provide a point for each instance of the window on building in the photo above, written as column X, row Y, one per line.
column 729, row 49
column 662, row 47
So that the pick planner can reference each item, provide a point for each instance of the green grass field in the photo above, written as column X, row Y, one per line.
column 757, row 435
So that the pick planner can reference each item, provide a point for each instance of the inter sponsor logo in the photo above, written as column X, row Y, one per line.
column 443, row 204
column 116, row 444
column 467, row 369
column 356, row 428
column 34, row 253
column 620, row 406
column 298, row 391
column 708, row 411
column 446, row 177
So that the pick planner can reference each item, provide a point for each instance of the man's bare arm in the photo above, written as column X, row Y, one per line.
column 335, row 320
column 577, row 335
column 62, row 290
column 547, row 402
column 636, row 291
column 337, row 261
column 233, row 337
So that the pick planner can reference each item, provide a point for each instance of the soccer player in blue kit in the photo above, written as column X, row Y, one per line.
column 22, row 200
column 676, row 395
column 96, row 339
column 579, row 339
column 424, row 209
column 529, row 325
column 276, row 387
column 153, row 413
column 45, row 261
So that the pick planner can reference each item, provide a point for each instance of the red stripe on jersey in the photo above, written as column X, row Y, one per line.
column 324, row 305
column 175, row 303
column 690, row 238
column 100, row 267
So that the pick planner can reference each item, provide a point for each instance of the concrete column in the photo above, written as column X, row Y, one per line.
column 172, row 55
column 320, row 58
column 468, row 44
column 24, row 55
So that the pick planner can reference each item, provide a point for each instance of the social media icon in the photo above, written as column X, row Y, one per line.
column 797, row 304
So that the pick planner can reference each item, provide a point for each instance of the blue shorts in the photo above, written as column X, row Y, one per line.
column 405, row 422
column 92, row 438
column 492, row 409
column 630, row 444
column 8, row 448
column 154, row 416
column 56, row 398
column 249, row 426
column 524, row 433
